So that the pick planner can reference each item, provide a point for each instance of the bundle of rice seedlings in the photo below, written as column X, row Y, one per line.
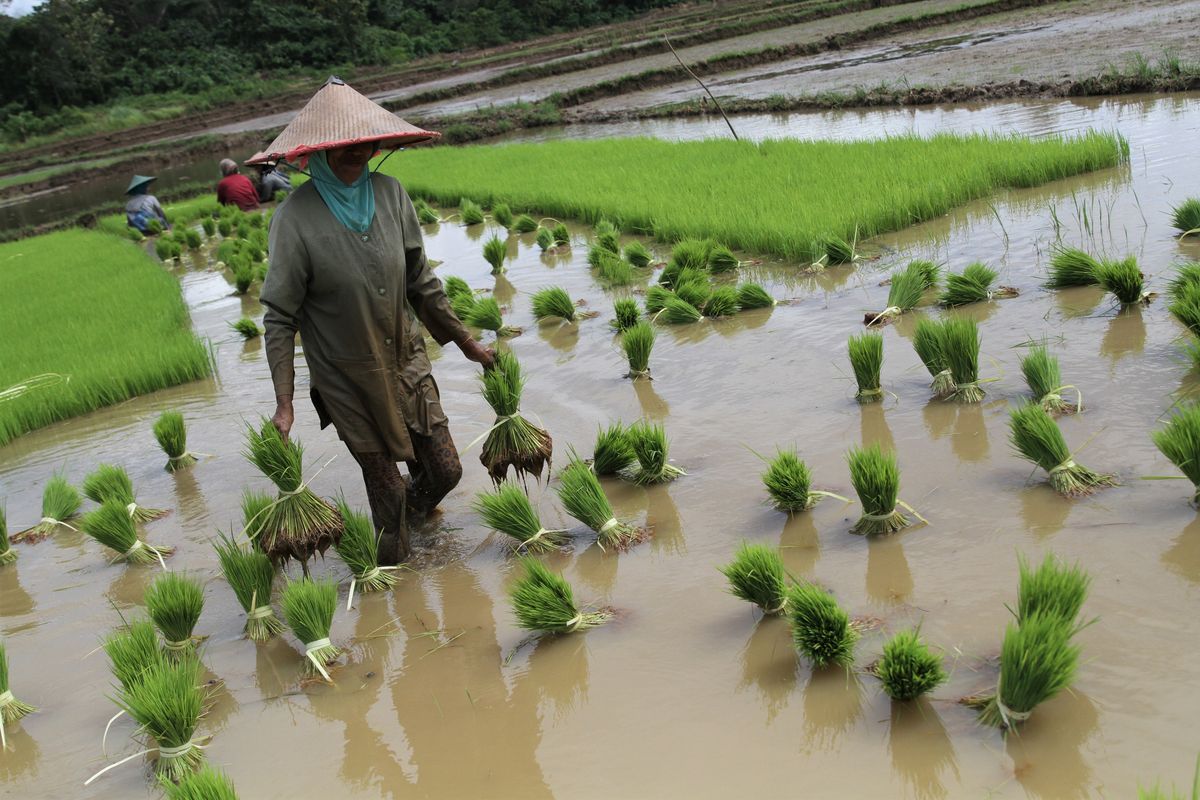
column 165, row 249
column 757, row 574
column 1186, row 276
column 174, row 603
column 525, row 224
column 485, row 314
column 1185, row 217
column 209, row 225
column 1045, row 381
column 495, row 251
column 788, row 481
column 561, row 234
column 626, row 313
column 1036, row 436
column 243, row 277
column 866, row 357
column 609, row 242
column 928, row 341
column 427, row 216
column 545, row 239
column 650, row 447
column 584, row 499
column 1037, row 661
column 132, row 650
column 1123, row 279
column 359, row 549
column 751, row 295
column 693, row 287
column 637, row 254
column 256, row 507
column 509, row 511
column 973, row 285
column 721, row 259
column 1070, row 266
column 840, row 251
column 224, row 227
column 821, row 629
column 11, row 709
column 308, row 607
column 7, row 554
column 111, row 526
column 552, row 302
column 691, row 254
column 960, row 343
column 1053, row 589
column 905, row 293
column 656, row 299
column 206, row 784
column 930, row 272
column 1179, row 441
column 543, row 601
column 613, row 452
column 908, row 668
column 604, row 226
column 1185, row 307
column 722, row 302
column 250, row 573
column 247, row 328
column 637, row 342
column 678, row 311
column 876, row 478
column 171, row 433
column 503, row 215
column 513, row 440
column 596, row 255
column 462, row 304
column 614, row 271
column 470, row 212
column 60, row 503
column 454, row 286
column 297, row 523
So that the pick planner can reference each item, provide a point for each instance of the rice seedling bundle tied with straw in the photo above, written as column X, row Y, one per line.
column 693, row 286
column 973, row 285
column 7, row 554
column 545, row 239
column 678, row 311
column 543, row 601
column 11, row 709
column 821, row 628
column 721, row 259
column 866, row 357
column 1179, row 441
column 60, row 503
column 1070, row 266
column 757, row 575
column 1037, row 661
column 207, row 783
column 525, row 224
column 495, row 251
column 512, row 441
column 171, row 433
column 650, row 447
column 250, row 574
column 840, row 251
column 656, row 298
column 453, row 286
column 552, row 302
column 751, row 295
column 722, row 302
column 470, row 212
column 612, row 269
column 502, row 214
column 613, row 452
column 174, row 603
column 110, row 483
column 246, row 328
column 1037, row 438
column 876, row 478
column 485, row 314
column 584, row 499
column 1185, row 307
column 509, row 511
column 929, row 342
column 637, row 342
column 111, row 526
column 626, row 313
column 1124, row 280
column 960, row 343
column 1044, row 378
column 297, row 523
column 1053, row 589
column 308, row 607
column 562, row 236
column 359, row 549
column 908, row 668
column 788, row 481
column 132, row 650
column 1185, row 217
column 905, row 293
column 637, row 254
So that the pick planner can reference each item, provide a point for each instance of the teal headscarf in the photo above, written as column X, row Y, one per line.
column 353, row 205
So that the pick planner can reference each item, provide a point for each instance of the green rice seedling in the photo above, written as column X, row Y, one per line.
column 552, row 302
column 1070, row 266
column 174, row 603
column 427, row 216
column 543, row 601
column 788, row 481
column 821, row 628
column 609, row 242
column 582, row 496
column 208, row 783
column 656, row 299
column 1053, row 589
column 359, row 549
column 637, row 342
column 495, row 251
column 1044, row 379
column 132, row 650
column 1185, row 217
column 693, row 286
column 751, row 295
column 692, row 254
column 154, row 227
column 192, row 239
column 596, row 255
column 454, row 286
column 525, row 224
column 167, row 704
column 905, row 293
column 246, row 328
column 256, row 253
column 260, row 272
column 243, row 230
column 256, row 509
column 876, row 478
column 1179, row 441
column 1037, row 438
column 164, row 249
column 7, row 554
column 930, row 272
column 1037, row 661
column 463, row 304
column 11, row 709
column 840, row 251
column 866, row 357
column 545, row 239
column 297, row 523
column 1185, row 307
column 613, row 452
column 929, row 342
column 721, row 259
column 562, row 236
column 509, row 511
column 722, row 302
column 111, row 483
column 650, row 447
column 908, row 668
column 614, row 271
column 606, row 227
column 243, row 277
column 210, row 226
column 626, row 313
column 757, row 575
column 960, row 340
column 255, row 220
column 250, row 574
column 171, row 433
column 470, row 212
column 513, row 441
column 1186, row 275
column 60, row 503
column 973, row 285
column 224, row 227
column 637, row 254
column 308, row 607
column 485, row 314
column 1123, row 279
column 678, row 311
column 503, row 215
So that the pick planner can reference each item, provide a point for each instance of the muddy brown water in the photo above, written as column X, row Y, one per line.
column 689, row 693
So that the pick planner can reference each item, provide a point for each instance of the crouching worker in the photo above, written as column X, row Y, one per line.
column 142, row 207
column 235, row 189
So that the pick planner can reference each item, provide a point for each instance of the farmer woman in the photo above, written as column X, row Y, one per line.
column 348, row 271
column 142, row 206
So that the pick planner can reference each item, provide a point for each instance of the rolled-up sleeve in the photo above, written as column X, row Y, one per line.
column 425, row 292
column 283, row 294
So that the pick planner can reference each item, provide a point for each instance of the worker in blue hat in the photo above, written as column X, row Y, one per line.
column 143, row 206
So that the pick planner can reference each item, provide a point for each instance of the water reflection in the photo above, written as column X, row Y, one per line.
column 1078, row 301
column 1183, row 556
column 503, row 290
column 1125, row 335
column 921, row 751
column 938, row 416
column 970, row 440
column 1043, row 510
column 874, row 427
column 662, row 516
column 800, row 544
column 23, row 757
column 129, row 581
column 1047, row 756
column 889, row 579
column 251, row 349
column 598, row 568
column 562, row 336
column 277, row 666
column 653, row 405
column 769, row 664
column 14, row 600
column 832, row 706
column 558, row 672
column 189, row 500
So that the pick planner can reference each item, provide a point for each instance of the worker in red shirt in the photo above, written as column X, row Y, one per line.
column 236, row 189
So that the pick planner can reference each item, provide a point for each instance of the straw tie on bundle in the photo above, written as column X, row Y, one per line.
column 309, row 606
column 905, row 293
column 512, row 441
column 1037, row 437
column 171, row 434
column 11, row 709
column 757, row 575
column 876, row 478
column 543, row 601
column 510, row 511
column 60, row 502
column 1044, row 378
column 650, row 447
column 359, row 548
column 250, row 574
column 584, row 499
column 112, row 526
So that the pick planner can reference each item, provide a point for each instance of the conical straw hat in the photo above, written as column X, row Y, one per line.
column 139, row 180
column 337, row 116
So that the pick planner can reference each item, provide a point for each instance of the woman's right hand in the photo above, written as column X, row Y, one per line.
column 284, row 416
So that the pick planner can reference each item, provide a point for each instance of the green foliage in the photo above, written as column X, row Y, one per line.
column 109, row 483
column 960, row 344
column 1044, row 378
column 1185, row 217
column 678, row 311
column 513, row 440
column 132, row 650
column 470, row 212
column 246, row 328
column 1070, row 266
column 583, row 498
column 757, row 575
column 626, row 313
column 484, row 313
column 495, row 251
column 207, row 783
column 250, row 574
column 1187, row 275
column 973, row 285
column 14, row 709
column 308, row 607
column 1185, row 307
column 359, row 549
column 525, row 224
column 788, row 481
column 553, row 302
column 637, row 342
column 167, row 704
column 908, row 668
column 611, row 268
column 1051, row 589
column 562, row 236
column 1037, row 661
column 509, row 511
column 637, row 254
column 650, row 447
column 866, row 357
column 656, row 298
column 543, row 601
column 1123, row 279
column 751, row 295
column 171, row 433
column 613, row 452
column 1179, row 441
column 929, row 342
column 1037, row 438
column 174, row 603
column 820, row 627
column 907, row 289
column 60, row 502
column 455, row 286
column 210, row 226
column 545, row 239
column 839, row 251
column 502, row 214
column 876, row 478
column 721, row 259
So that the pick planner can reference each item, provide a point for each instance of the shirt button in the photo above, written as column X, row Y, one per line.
column 387, row 341
column 383, row 291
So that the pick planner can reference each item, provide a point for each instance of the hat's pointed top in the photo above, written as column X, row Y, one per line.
column 139, row 181
column 337, row 116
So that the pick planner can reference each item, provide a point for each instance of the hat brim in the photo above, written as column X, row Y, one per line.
column 387, row 142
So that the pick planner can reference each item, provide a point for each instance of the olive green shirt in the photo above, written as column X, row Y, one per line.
column 356, row 299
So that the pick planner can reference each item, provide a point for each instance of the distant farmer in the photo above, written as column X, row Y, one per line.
column 271, row 181
column 348, row 271
column 235, row 189
column 143, row 206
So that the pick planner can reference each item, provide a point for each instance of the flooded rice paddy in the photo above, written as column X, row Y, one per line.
column 689, row 693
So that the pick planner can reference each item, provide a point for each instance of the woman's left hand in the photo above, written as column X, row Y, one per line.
column 474, row 351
